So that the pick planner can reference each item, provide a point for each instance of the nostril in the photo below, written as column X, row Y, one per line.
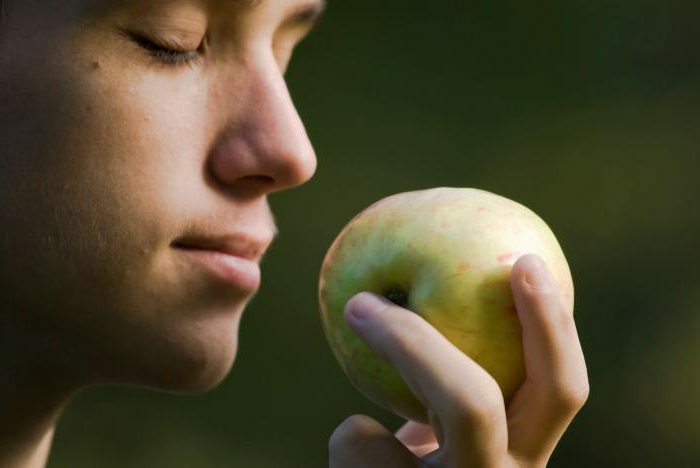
column 250, row 186
column 256, row 182
column 259, row 178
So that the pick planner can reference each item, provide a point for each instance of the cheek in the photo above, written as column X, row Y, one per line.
column 110, row 166
column 134, row 139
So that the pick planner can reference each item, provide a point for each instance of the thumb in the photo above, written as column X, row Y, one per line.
column 360, row 441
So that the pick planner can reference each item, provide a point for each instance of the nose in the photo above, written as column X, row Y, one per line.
column 263, row 146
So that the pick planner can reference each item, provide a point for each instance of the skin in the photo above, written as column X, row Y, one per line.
column 107, row 155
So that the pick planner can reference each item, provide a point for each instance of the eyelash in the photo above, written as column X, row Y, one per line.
column 167, row 55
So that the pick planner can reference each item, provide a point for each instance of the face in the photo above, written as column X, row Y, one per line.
column 128, row 130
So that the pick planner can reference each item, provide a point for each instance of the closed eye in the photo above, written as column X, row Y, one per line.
column 167, row 54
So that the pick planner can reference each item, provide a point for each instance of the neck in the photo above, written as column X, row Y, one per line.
column 33, row 395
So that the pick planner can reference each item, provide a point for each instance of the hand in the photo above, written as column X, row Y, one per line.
column 469, row 424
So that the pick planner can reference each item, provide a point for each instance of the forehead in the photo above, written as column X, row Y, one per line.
column 43, row 15
column 241, row 4
column 10, row 5
column 303, row 11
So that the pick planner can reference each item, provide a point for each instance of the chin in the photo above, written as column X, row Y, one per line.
column 196, row 374
column 193, row 358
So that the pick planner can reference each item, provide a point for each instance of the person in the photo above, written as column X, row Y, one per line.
column 139, row 141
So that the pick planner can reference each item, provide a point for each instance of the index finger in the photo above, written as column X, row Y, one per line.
column 465, row 400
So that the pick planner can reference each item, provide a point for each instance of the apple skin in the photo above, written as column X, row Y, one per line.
column 444, row 253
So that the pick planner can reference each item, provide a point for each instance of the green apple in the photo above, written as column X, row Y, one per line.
column 446, row 254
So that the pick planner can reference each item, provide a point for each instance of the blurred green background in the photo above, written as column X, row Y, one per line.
column 586, row 111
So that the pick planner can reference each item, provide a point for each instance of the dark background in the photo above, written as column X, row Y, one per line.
column 586, row 111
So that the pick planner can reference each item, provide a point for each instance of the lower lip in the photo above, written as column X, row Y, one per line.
column 235, row 271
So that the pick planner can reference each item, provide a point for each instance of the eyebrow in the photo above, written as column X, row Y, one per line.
column 245, row 3
column 307, row 13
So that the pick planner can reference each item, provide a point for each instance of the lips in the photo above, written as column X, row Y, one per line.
column 232, row 259
column 237, row 245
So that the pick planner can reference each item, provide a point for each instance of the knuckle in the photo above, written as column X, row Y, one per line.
column 490, row 410
column 570, row 398
column 347, row 436
column 468, row 415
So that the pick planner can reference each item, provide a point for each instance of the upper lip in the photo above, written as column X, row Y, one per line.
column 238, row 244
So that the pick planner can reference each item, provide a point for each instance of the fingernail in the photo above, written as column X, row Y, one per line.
column 537, row 276
column 364, row 305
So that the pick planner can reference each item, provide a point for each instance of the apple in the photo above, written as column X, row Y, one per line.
column 446, row 254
